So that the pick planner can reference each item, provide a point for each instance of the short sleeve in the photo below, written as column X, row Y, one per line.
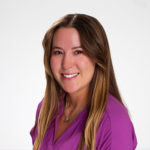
column 118, row 135
column 123, row 135
column 33, row 131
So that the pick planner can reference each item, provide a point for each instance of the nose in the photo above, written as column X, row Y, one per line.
column 67, row 61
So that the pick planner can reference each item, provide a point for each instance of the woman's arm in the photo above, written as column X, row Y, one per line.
column 116, row 133
column 33, row 131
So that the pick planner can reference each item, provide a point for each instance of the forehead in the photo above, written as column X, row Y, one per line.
column 66, row 36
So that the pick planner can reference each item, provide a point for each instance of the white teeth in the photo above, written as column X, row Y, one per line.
column 70, row 75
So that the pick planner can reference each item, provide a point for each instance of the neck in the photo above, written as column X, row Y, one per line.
column 77, row 101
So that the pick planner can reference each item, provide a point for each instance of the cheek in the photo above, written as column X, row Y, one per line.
column 54, row 63
column 90, row 70
column 87, row 66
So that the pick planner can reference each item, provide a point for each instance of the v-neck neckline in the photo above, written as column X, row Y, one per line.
column 83, row 114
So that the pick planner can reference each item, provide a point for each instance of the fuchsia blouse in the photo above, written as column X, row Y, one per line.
column 115, row 132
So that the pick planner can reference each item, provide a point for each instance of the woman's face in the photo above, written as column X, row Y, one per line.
column 71, row 67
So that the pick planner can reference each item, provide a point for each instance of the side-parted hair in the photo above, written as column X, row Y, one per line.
column 95, row 44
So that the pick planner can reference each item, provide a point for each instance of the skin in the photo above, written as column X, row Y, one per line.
column 68, row 57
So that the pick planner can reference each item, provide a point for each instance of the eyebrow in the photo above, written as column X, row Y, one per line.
column 76, row 47
column 57, row 47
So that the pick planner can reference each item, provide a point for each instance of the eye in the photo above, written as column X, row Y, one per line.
column 77, row 52
column 57, row 52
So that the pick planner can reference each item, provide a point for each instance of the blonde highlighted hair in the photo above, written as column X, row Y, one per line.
column 94, row 42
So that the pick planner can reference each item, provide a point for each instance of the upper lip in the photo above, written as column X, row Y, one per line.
column 69, row 73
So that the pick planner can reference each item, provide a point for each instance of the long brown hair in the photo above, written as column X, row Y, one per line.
column 94, row 42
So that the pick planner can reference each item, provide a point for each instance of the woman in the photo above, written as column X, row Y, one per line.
column 82, row 107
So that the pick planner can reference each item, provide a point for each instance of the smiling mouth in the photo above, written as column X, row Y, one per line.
column 69, row 76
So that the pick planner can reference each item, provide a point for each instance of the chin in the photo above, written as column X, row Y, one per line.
column 70, row 90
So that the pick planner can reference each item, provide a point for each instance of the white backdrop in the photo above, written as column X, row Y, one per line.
column 23, row 24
